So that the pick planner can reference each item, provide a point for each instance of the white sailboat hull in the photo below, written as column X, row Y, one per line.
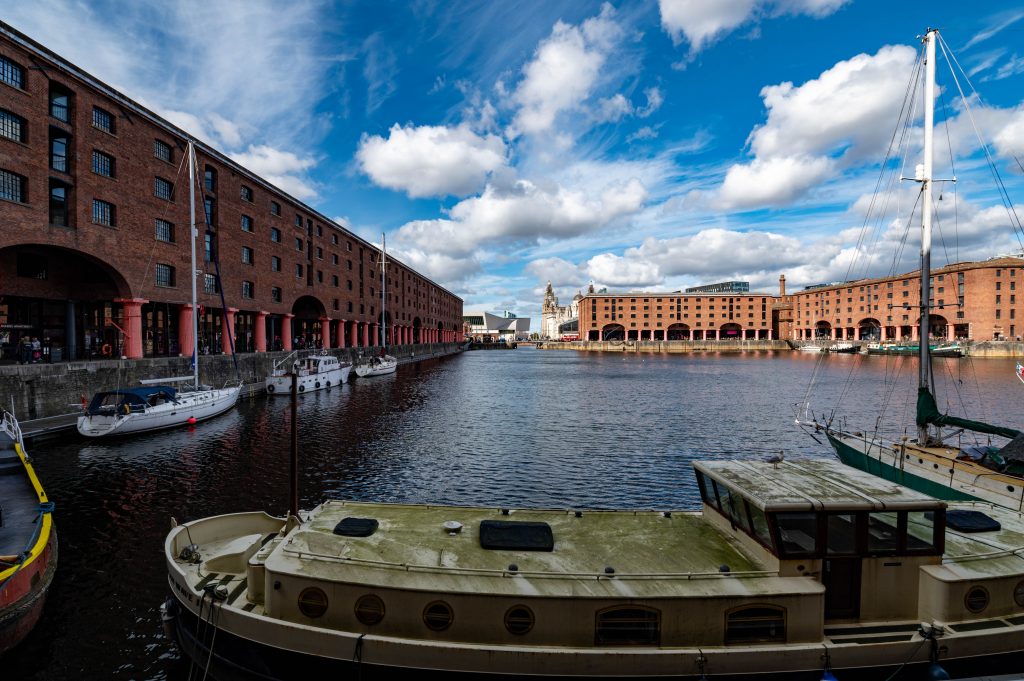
column 385, row 365
column 282, row 385
column 197, row 404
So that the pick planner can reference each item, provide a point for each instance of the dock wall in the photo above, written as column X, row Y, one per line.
column 680, row 347
column 45, row 390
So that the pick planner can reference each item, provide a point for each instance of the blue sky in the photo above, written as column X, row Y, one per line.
column 640, row 146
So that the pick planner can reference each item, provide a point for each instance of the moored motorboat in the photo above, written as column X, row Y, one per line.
column 28, row 540
column 313, row 372
column 790, row 569
column 376, row 366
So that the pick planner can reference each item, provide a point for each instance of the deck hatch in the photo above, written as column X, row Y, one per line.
column 356, row 527
column 971, row 521
column 511, row 535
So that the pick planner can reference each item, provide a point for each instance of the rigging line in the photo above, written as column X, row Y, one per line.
column 952, row 166
column 1001, row 187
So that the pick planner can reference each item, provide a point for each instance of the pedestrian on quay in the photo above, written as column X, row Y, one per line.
column 25, row 350
column 37, row 350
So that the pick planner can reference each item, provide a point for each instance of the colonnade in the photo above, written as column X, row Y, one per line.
column 346, row 332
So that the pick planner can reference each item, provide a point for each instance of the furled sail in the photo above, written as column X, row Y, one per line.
column 928, row 412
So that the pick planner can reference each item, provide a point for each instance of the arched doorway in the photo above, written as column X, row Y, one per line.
column 869, row 329
column 730, row 332
column 308, row 311
column 677, row 332
column 417, row 330
column 938, row 327
column 613, row 332
column 822, row 330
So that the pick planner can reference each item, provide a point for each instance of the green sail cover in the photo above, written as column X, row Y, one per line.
column 928, row 412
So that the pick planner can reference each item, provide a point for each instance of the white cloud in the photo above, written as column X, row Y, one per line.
column 613, row 270
column 1009, row 140
column 282, row 168
column 614, row 108
column 644, row 133
column 563, row 72
column 654, row 101
column 771, row 182
column 702, row 22
column 431, row 160
column 560, row 272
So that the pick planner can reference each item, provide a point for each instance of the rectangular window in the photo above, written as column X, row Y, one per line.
column 164, row 231
column 883, row 536
column 275, row 208
column 162, row 150
column 246, row 194
column 334, row 258
column 275, row 263
column 59, row 204
column 103, row 213
column 246, row 223
column 208, row 247
column 755, row 624
column 247, row 289
column 102, row 120
column 798, row 531
column 11, row 73
column 102, row 164
column 247, row 255
column 298, row 271
column 164, row 275
column 275, row 234
column 298, row 244
column 275, row 294
column 59, row 103
column 12, row 187
column 319, row 253
column 298, row 220
column 210, row 283
column 209, row 206
column 12, row 126
column 334, row 280
column 58, row 152
column 162, row 189
column 210, row 179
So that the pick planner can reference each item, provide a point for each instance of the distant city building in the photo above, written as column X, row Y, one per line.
column 722, row 287
column 484, row 325
column 553, row 315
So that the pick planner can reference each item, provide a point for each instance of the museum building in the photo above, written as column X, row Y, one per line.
column 95, row 248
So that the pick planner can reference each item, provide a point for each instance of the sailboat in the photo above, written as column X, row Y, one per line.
column 932, row 463
column 157, row 404
column 384, row 363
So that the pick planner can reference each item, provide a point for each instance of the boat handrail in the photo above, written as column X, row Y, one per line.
column 10, row 424
column 284, row 359
column 409, row 567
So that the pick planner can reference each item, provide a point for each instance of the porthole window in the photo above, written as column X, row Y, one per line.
column 312, row 602
column 629, row 625
column 1009, row 488
column 976, row 599
column 519, row 620
column 438, row 616
column 369, row 609
column 1018, row 594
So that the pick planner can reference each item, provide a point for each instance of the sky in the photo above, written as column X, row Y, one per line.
column 639, row 146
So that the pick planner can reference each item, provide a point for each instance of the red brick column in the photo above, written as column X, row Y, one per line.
column 132, row 308
column 341, row 333
column 227, row 326
column 325, row 332
column 286, row 332
column 354, row 335
column 363, row 330
column 186, row 344
column 261, row 331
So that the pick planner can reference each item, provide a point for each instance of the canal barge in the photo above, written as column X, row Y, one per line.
column 28, row 541
column 790, row 570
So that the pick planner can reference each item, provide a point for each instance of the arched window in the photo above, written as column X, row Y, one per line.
column 628, row 625
column 755, row 623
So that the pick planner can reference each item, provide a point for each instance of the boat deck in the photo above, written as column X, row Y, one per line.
column 649, row 553
column 18, row 501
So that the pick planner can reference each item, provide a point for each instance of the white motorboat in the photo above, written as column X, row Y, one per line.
column 157, row 405
column 792, row 571
column 313, row 372
column 376, row 366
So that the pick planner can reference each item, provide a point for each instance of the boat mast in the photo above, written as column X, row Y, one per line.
column 924, row 368
column 383, row 290
column 192, row 231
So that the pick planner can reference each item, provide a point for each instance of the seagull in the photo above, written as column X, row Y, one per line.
column 776, row 459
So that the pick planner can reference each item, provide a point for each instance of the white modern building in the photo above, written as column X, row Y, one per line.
column 506, row 326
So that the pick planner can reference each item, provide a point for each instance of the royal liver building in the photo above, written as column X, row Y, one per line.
column 554, row 316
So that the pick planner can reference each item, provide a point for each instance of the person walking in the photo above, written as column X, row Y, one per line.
column 37, row 350
column 24, row 350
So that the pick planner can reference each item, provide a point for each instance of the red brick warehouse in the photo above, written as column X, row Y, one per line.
column 94, row 238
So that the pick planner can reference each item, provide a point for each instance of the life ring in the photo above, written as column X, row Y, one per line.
column 270, row 388
column 302, row 388
column 317, row 384
column 327, row 384
column 106, row 350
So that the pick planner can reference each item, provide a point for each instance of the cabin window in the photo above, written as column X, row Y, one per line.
column 883, row 535
column 842, row 534
column 706, row 493
column 755, row 624
column 760, row 525
column 369, row 609
column 1018, row 594
column 628, row 625
column 438, row 616
column 921, row 532
column 798, row 532
column 732, row 507
column 976, row 599
column 519, row 620
column 312, row 602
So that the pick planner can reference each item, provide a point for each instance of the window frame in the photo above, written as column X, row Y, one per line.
column 13, row 179
column 169, row 229
column 103, row 120
column 9, row 66
column 9, row 121
column 103, row 161
column 169, row 280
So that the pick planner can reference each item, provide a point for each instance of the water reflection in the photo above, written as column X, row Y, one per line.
column 501, row 428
